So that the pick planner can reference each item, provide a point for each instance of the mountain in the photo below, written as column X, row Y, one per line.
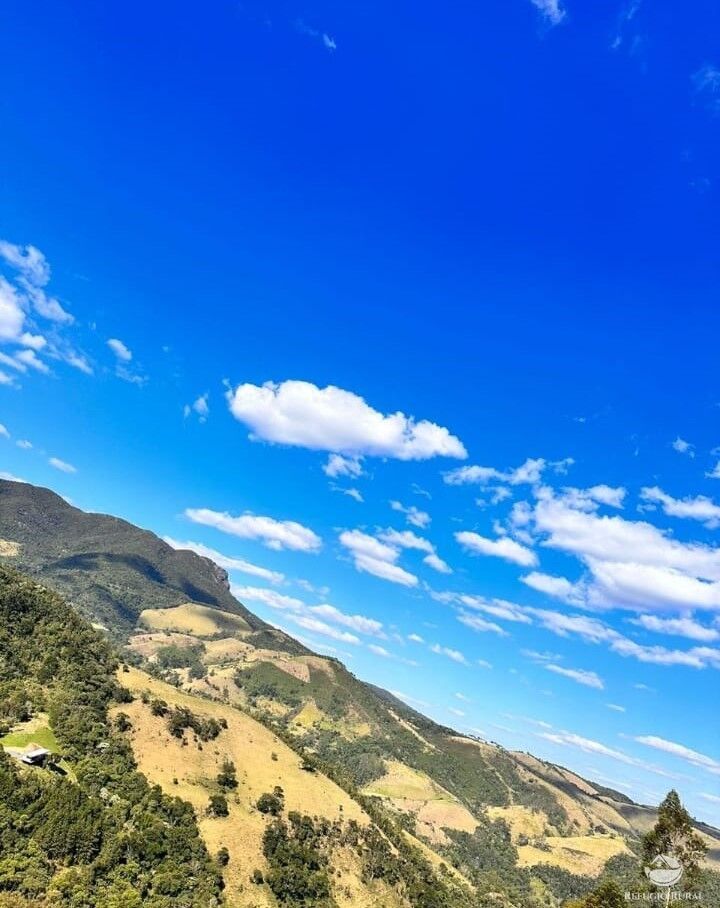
column 108, row 568
column 409, row 813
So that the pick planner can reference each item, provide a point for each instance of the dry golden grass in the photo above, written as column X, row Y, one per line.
column 433, row 807
column 190, row 618
column 226, row 649
column 250, row 746
column 319, row 664
column 584, row 855
column 9, row 549
column 521, row 820
column 148, row 644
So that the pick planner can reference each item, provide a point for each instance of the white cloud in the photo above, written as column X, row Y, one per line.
column 437, row 564
column 647, row 586
column 588, row 746
column 557, row 587
column 551, row 10
column 321, row 627
column 615, row 707
column 271, row 598
column 379, row 651
column 331, row 419
column 3, row 431
column 359, row 623
column 325, row 39
column 589, row 499
column 707, row 85
column 633, row 564
column 476, row 623
column 275, row 534
column 12, row 316
column 12, row 362
column 28, row 260
column 34, row 341
column 710, row 797
column 355, row 494
column 22, row 301
column 683, row 447
column 30, row 358
column 230, row 564
column 375, row 557
column 415, row 638
column 199, row 406
column 406, row 539
column 699, row 508
column 62, row 465
column 528, row 473
column 120, row 350
column 321, row 619
column 46, row 306
column 337, row 465
column 715, row 472
column 580, row 676
column 498, row 608
column 413, row 515
column 679, row 627
column 78, row 361
column 541, row 657
column 501, row 548
column 592, row 630
column 699, row 760
column 453, row 654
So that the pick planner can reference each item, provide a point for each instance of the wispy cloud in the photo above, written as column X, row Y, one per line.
column 706, row 83
column 504, row 547
column 323, row 37
column 551, row 11
column 62, row 465
column 580, row 676
column 275, row 534
column 200, row 407
column 699, row 760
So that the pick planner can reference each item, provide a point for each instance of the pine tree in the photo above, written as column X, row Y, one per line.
column 674, row 834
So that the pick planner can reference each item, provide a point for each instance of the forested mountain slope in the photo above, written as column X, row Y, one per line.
column 108, row 568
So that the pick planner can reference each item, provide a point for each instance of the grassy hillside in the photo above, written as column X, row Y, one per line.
column 263, row 762
column 408, row 812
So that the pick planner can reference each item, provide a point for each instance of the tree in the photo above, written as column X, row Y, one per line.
column 271, row 802
column 607, row 895
column 674, row 834
column 227, row 777
column 218, row 805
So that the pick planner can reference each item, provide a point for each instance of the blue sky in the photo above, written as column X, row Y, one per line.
column 474, row 253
